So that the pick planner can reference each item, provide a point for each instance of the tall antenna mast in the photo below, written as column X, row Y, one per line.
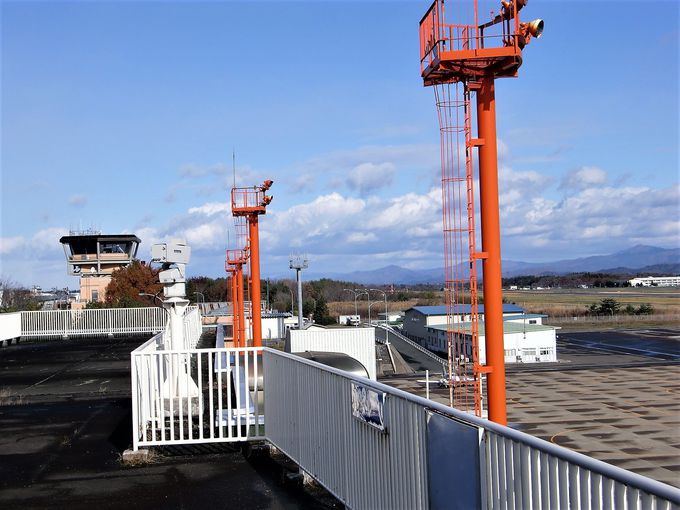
column 462, row 61
column 233, row 164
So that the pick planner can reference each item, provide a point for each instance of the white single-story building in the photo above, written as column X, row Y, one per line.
column 523, row 342
column 391, row 316
column 417, row 318
column 655, row 281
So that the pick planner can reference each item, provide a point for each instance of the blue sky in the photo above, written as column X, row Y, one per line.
column 123, row 116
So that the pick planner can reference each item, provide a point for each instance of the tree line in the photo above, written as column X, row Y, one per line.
column 609, row 306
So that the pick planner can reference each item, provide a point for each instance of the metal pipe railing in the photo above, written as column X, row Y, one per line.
column 518, row 468
column 96, row 322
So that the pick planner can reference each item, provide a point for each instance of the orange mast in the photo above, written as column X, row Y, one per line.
column 251, row 203
column 460, row 60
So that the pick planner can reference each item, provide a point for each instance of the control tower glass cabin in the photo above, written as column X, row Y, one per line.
column 93, row 257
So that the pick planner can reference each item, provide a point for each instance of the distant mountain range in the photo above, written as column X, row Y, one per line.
column 638, row 259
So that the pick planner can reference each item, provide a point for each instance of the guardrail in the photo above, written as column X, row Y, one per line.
column 371, row 445
column 96, row 322
column 614, row 318
column 193, row 327
column 430, row 455
column 416, row 345
column 196, row 395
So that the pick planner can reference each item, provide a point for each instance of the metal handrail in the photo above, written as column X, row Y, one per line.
column 416, row 345
column 615, row 473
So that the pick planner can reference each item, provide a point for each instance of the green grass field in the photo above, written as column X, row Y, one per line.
column 565, row 302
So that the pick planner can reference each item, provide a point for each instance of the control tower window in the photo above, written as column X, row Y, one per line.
column 115, row 248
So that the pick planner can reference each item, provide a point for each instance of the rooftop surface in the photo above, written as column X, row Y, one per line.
column 613, row 395
column 508, row 327
column 65, row 420
column 462, row 308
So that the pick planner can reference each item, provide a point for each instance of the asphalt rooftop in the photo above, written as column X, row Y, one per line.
column 65, row 417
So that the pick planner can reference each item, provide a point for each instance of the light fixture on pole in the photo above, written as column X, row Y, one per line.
column 361, row 292
column 385, row 297
column 356, row 309
column 299, row 262
column 368, row 300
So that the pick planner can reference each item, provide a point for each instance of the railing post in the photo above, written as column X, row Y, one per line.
column 135, row 401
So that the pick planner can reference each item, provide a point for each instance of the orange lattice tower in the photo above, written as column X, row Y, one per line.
column 251, row 203
column 461, row 60
column 234, row 263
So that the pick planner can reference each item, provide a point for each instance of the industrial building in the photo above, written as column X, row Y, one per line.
column 655, row 281
column 526, row 339
column 418, row 318
column 523, row 343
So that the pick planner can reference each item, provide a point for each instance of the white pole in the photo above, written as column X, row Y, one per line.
column 427, row 384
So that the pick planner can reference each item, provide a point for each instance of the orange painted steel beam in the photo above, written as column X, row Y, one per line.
column 491, row 245
column 235, row 329
column 235, row 306
column 255, row 291
column 241, row 311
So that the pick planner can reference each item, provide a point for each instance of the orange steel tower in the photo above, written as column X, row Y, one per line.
column 251, row 203
column 235, row 260
column 461, row 60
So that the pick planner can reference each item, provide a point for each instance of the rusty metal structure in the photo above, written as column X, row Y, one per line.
column 248, row 203
column 461, row 61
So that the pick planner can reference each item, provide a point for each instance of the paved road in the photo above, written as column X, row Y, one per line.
column 65, row 418
column 418, row 360
column 658, row 344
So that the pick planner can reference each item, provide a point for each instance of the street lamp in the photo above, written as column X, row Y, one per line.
column 369, row 310
column 368, row 300
column 299, row 262
column 385, row 297
column 356, row 295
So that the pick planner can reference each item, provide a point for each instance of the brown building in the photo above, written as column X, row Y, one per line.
column 93, row 257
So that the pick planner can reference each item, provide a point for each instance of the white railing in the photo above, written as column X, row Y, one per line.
column 399, row 451
column 193, row 327
column 96, row 322
column 416, row 345
column 430, row 454
column 10, row 326
column 196, row 396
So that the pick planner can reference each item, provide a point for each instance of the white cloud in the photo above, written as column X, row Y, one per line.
column 361, row 237
column 211, row 208
column 371, row 176
column 47, row 239
column 356, row 167
column 584, row 177
column 596, row 218
column 10, row 244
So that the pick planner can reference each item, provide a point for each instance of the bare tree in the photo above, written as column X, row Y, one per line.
column 15, row 298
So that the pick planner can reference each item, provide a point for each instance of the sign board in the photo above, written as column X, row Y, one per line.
column 368, row 406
